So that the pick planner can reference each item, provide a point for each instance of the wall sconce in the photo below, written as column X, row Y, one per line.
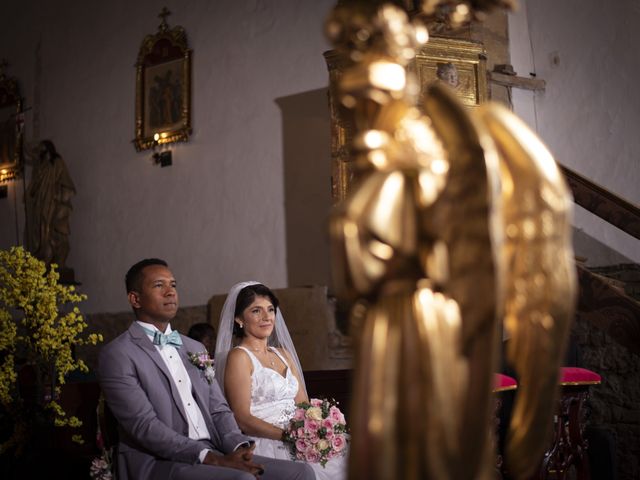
column 6, row 175
column 163, row 157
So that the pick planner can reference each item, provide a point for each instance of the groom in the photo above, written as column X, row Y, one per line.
column 173, row 423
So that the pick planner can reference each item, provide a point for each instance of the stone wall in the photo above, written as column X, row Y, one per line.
column 615, row 404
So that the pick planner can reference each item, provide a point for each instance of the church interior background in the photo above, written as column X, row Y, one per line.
column 249, row 194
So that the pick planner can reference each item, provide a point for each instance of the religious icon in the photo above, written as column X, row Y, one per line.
column 163, row 95
column 11, row 119
column 163, row 87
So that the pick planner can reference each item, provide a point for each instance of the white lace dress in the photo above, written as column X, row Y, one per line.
column 273, row 400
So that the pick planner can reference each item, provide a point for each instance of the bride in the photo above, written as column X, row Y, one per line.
column 261, row 377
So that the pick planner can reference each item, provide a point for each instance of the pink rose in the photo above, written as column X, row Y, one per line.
column 312, row 456
column 302, row 445
column 329, row 434
column 313, row 437
column 338, row 442
column 311, row 425
column 301, row 433
column 328, row 423
column 336, row 415
column 299, row 414
column 315, row 402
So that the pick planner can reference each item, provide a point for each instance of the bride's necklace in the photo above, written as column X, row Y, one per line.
column 265, row 353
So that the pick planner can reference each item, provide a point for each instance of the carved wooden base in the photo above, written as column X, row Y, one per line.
column 569, row 447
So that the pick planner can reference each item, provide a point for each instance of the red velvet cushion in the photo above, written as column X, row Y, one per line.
column 503, row 382
column 578, row 376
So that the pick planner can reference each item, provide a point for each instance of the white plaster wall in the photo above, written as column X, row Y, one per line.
column 589, row 113
column 216, row 215
column 219, row 215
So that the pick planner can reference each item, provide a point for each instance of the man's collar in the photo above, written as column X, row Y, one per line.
column 151, row 326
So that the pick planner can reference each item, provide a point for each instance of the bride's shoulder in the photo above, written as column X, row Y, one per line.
column 239, row 356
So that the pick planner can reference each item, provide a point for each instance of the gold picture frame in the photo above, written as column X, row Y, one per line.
column 466, row 59
column 163, row 87
column 10, row 127
column 459, row 63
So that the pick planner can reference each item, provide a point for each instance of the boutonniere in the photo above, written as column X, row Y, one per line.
column 203, row 361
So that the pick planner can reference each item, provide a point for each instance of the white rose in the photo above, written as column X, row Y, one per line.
column 314, row 413
column 322, row 444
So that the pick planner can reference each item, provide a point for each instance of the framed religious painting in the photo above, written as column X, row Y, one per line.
column 459, row 64
column 10, row 127
column 163, row 87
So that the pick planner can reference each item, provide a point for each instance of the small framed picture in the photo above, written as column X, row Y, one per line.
column 459, row 64
column 163, row 88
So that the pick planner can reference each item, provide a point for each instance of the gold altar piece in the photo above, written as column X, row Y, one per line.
column 11, row 122
column 458, row 221
column 163, row 87
column 460, row 64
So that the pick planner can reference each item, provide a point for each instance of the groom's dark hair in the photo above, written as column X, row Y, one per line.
column 133, row 278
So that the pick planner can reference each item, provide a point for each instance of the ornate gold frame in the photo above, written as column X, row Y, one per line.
column 469, row 59
column 163, row 81
column 11, row 132
column 342, row 128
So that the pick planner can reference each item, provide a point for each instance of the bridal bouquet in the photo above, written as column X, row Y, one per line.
column 317, row 432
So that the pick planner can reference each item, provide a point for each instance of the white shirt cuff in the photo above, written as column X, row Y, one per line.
column 203, row 454
column 246, row 444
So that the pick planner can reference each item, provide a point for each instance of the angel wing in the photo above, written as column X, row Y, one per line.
column 540, row 279
column 468, row 221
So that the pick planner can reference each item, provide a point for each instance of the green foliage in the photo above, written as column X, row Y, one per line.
column 39, row 326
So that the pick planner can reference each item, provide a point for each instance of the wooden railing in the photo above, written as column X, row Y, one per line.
column 603, row 203
column 607, row 307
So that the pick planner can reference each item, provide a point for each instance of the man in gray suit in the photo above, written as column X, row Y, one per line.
column 174, row 423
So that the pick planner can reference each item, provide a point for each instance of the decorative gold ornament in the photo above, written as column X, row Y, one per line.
column 454, row 13
column 11, row 127
column 458, row 220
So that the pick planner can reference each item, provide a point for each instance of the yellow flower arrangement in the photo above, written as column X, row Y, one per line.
column 39, row 326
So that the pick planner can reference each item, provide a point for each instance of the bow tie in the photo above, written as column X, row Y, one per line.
column 161, row 339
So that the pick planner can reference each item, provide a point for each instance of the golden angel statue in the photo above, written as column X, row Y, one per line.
column 458, row 225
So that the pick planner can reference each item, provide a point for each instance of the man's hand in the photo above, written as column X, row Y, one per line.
column 240, row 459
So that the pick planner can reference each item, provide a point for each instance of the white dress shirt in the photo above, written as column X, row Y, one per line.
column 195, row 419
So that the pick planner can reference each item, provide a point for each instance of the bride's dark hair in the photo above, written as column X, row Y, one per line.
column 246, row 297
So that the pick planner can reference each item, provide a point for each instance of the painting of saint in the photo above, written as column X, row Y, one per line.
column 163, row 97
column 7, row 135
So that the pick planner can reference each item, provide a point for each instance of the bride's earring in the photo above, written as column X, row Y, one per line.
column 241, row 325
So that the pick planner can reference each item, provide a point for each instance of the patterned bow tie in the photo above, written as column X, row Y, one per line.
column 161, row 339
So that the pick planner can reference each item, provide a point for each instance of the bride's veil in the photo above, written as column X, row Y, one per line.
column 280, row 337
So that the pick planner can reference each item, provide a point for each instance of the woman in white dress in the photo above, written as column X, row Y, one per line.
column 262, row 377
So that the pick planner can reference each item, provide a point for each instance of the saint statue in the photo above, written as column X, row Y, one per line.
column 48, row 206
